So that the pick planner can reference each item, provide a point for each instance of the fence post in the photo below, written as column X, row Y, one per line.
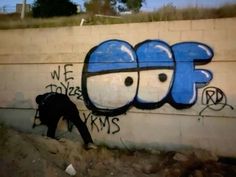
column 23, row 10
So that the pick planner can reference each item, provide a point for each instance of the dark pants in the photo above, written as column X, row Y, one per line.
column 53, row 107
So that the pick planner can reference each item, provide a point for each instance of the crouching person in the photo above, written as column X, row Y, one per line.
column 52, row 106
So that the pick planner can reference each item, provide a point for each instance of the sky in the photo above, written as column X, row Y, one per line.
column 149, row 5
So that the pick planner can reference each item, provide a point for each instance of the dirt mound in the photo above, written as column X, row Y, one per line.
column 28, row 155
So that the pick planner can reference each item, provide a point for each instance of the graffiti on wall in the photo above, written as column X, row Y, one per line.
column 109, row 125
column 117, row 76
column 214, row 99
column 64, row 76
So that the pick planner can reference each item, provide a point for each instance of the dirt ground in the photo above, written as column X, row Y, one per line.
column 30, row 155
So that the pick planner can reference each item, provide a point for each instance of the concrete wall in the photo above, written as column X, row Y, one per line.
column 193, row 106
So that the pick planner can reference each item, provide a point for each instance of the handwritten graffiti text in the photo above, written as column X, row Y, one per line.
column 64, row 79
column 102, row 123
column 214, row 99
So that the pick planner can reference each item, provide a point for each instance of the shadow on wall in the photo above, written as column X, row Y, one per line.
column 19, row 101
column 19, row 111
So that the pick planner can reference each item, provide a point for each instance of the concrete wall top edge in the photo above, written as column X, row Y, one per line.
column 114, row 25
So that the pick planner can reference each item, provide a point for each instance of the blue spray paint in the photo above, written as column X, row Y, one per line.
column 154, row 56
column 174, row 79
column 112, row 55
column 187, row 78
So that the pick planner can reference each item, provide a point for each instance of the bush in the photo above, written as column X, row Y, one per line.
column 52, row 8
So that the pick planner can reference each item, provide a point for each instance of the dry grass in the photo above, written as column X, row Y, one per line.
column 13, row 21
column 166, row 13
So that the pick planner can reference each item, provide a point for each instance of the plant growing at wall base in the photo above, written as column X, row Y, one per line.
column 51, row 8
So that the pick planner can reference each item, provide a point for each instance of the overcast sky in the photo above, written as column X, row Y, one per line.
column 148, row 6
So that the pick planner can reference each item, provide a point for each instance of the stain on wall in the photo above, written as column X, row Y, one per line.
column 117, row 76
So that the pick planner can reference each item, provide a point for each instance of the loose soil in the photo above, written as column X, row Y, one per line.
column 30, row 155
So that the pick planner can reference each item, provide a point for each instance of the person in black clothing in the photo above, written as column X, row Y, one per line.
column 52, row 106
